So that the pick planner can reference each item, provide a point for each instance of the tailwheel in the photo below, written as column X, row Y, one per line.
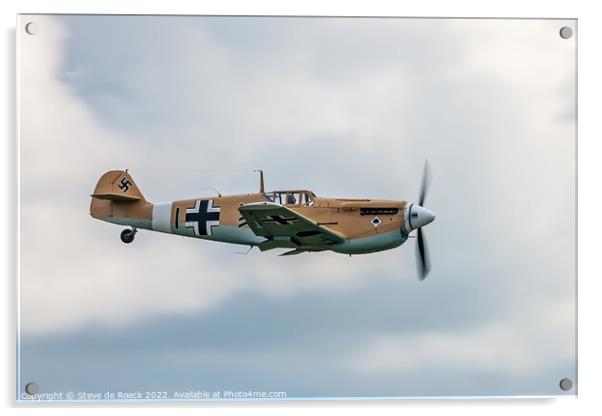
column 127, row 235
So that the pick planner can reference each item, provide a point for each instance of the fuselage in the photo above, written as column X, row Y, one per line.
column 368, row 225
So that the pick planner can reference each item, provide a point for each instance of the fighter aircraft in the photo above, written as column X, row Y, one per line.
column 296, row 219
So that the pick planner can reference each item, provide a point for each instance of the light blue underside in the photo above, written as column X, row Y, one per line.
column 372, row 244
column 245, row 236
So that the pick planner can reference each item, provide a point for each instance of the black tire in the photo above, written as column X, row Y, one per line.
column 127, row 236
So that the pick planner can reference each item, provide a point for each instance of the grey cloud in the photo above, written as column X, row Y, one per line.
column 257, row 343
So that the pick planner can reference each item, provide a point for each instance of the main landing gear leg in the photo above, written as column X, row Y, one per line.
column 127, row 235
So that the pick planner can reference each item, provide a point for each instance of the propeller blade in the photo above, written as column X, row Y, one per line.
column 423, row 257
column 426, row 180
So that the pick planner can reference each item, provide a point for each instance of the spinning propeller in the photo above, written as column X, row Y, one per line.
column 418, row 218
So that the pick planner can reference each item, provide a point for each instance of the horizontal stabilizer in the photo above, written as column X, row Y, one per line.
column 117, row 197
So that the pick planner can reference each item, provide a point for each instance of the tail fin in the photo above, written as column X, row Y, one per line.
column 117, row 191
column 117, row 185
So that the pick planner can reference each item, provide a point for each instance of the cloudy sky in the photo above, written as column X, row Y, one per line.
column 345, row 107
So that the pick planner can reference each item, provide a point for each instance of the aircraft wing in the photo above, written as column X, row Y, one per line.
column 283, row 227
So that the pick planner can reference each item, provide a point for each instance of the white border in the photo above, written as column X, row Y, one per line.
column 590, row 33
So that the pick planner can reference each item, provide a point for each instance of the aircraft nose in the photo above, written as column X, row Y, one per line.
column 420, row 216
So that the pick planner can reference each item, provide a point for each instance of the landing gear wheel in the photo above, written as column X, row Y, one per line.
column 127, row 236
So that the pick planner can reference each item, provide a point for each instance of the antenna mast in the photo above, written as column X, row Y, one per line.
column 261, row 188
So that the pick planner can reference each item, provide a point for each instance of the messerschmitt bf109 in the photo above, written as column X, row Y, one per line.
column 297, row 220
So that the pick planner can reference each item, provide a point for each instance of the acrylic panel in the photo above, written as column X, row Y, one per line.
column 426, row 204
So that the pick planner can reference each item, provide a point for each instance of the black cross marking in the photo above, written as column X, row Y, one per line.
column 199, row 219
column 280, row 220
column 125, row 184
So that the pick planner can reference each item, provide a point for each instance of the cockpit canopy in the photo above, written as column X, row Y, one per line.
column 299, row 197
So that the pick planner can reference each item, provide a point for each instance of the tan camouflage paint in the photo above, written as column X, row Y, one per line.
column 117, row 197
